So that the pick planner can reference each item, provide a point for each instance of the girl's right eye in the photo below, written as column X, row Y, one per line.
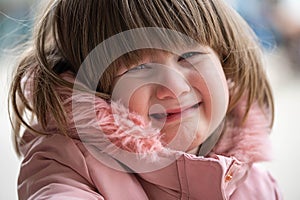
column 131, row 70
column 138, row 68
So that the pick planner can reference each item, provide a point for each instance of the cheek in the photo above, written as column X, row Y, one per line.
column 133, row 94
column 214, row 90
column 200, row 86
column 139, row 101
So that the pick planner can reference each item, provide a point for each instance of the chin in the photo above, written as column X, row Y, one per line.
column 184, row 138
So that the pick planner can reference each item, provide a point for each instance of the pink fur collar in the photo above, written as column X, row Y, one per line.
column 250, row 142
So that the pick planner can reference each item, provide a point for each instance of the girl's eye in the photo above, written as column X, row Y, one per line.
column 135, row 69
column 138, row 68
column 187, row 55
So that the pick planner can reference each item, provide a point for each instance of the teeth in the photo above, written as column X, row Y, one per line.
column 196, row 105
column 158, row 115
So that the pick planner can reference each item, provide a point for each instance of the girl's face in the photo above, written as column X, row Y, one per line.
column 181, row 94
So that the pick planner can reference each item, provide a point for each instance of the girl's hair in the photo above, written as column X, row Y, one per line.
column 68, row 30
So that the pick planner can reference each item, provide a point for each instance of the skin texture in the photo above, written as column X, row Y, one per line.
column 172, row 91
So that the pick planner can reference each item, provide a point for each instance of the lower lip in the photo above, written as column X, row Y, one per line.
column 179, row 115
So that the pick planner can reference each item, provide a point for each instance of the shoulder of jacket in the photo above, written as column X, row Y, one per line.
column 57, row 148
column 259, row 184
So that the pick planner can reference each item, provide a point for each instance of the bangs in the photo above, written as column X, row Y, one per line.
column 166, row 25
column 194, row 19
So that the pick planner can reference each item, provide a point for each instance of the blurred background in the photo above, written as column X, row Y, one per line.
column 277, row 25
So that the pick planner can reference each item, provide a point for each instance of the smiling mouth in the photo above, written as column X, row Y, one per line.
column 169, row 115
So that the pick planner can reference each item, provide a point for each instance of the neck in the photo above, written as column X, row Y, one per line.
column 194, row 151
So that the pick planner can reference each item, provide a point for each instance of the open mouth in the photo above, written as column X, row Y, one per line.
column 173, row 114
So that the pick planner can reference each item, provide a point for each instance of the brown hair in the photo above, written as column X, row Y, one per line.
column 68, row 30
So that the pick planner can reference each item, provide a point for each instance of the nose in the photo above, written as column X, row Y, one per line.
column 173, row 84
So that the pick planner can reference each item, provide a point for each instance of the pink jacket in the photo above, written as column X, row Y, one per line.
column 85, row 166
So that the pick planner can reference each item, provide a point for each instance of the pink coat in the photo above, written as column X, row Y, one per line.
column 59, row 167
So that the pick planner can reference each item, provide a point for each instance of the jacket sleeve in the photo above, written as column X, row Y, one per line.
column 54, row 168
column 259, row 185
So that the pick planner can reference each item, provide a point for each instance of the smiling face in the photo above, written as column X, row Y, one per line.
column 175, row 91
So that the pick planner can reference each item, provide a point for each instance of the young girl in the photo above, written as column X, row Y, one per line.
column 142, row 100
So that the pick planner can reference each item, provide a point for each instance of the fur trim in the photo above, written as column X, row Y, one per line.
column 249, row 142
column 111, row 127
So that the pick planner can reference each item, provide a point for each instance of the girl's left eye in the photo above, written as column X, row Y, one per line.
column 187, row 55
